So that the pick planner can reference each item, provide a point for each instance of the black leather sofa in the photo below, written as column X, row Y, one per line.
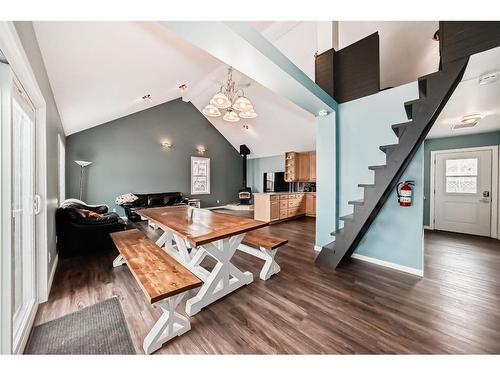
column 78, row 234
column 152, row 200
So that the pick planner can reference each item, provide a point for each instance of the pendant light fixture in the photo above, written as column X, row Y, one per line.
column 232, row 100
column 231, row 116
column 211, row 111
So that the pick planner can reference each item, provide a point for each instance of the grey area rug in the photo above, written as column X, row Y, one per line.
column 97, row 329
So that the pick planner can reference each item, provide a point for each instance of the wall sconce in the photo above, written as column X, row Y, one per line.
column 201, row 150
column 167, row 145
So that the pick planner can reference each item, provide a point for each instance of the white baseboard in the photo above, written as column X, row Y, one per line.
column 317, row 248
column 384, row 263
column 428, row 227
column 51, row 276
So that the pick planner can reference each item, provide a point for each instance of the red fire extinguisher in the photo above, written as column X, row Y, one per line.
column 404, row 192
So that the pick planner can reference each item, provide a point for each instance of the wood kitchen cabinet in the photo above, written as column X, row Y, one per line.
column 312, row 166
column 300, row 166
column 291, row 166
column 276, row 207
column 311, row 204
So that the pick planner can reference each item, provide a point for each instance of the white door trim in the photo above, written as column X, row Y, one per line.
column 495, row 182
column 12, row 48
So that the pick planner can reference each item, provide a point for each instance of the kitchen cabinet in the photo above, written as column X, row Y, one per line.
column 300, row 166
column 311, row 204
column 291, row 166
column 280, row 206
column 312, row 166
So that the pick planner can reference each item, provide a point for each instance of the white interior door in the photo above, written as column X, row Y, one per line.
column 462, row 201
column 23, row 212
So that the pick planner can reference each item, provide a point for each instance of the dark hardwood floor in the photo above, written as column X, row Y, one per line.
column 359, row 308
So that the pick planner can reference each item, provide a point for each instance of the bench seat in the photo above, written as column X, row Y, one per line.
column 163, row 280
column 261, row 244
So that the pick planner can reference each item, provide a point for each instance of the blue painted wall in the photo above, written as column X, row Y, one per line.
column 326, row 188
column 257, row 167
column 396, row 235
column 449, row 143
column 363, row 126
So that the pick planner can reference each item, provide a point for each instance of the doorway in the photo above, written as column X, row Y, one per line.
column 464, row 190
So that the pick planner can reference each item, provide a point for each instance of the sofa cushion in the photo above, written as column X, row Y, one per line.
column 171, row 199
column 155, row 200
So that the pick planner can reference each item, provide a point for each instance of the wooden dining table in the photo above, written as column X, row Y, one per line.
column 191, row 234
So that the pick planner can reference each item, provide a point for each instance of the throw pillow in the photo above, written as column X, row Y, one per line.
column 126, row 198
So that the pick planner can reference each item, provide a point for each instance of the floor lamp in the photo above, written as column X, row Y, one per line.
column 82, row 165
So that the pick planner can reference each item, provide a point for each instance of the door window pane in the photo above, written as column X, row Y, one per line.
column 461, row 176
column 461, row 185
column 23, row 223
column 461, row 167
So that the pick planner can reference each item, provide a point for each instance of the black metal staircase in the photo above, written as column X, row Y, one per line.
column 434, row 91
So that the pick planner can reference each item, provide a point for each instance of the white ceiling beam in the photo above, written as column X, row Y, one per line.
column 244, row 48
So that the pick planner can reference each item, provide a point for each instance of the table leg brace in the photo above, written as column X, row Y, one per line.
column 118, row 261
column 270, row 266
column 171, row 324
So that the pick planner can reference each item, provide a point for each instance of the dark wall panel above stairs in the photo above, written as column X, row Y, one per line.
column 352, row 72
column 458, row 39
column 324, row 67
column 357, row 69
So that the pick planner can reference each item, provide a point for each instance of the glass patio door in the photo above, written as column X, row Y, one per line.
column 23, row 211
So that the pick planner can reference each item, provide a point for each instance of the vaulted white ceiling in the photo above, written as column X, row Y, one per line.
column 471, row 98
column 100, row 70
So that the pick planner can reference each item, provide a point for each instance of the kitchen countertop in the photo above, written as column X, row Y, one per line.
column 283, row 192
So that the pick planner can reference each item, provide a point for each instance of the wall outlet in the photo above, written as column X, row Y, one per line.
column 114, row 210
column 50, row 256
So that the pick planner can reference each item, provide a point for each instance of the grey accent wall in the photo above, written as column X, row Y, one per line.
column 127, row 156
column 450, row 143
column 54, row 127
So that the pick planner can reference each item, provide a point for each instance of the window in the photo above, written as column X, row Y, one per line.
column 200, row 175
column 461, row 176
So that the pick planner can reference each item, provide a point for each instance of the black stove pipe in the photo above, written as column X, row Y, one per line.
column 244, row 151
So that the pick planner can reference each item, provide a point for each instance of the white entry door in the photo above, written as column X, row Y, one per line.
column 462, row 201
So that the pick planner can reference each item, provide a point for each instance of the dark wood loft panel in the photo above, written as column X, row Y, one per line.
column 459, row 39
column 357, row 69
column 324, row 65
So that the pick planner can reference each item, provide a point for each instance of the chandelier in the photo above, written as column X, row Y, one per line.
column 232, row 100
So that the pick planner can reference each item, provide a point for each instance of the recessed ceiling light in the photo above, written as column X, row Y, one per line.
column 147, row 98
column 468, row 121
column 488, row 78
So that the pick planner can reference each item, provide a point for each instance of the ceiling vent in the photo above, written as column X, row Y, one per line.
column 488, row 78
column 468, row 121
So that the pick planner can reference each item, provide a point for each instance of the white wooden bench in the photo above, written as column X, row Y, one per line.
column 262, row 245
column 163, row 280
